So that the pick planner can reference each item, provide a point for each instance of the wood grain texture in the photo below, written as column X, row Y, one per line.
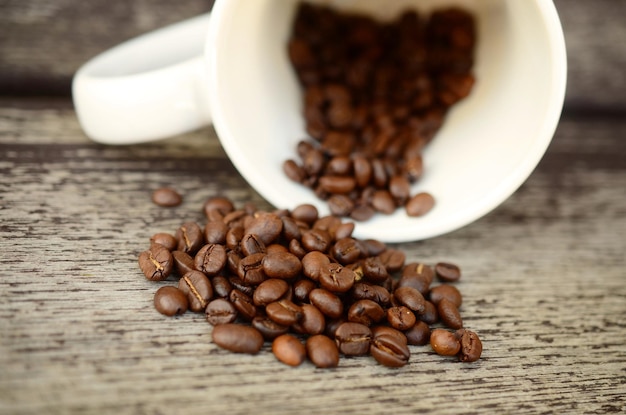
column 543, row 281
column 43, row 43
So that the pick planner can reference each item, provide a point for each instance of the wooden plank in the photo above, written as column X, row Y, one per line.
column 543, row 285
column 43, row 44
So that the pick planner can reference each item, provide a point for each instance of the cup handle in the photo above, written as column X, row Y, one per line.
column 150, row 87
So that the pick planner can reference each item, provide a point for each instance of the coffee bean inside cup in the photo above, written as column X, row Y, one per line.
column 374, row 94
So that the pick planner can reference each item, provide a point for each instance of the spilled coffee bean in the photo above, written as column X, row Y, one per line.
column 342, row 297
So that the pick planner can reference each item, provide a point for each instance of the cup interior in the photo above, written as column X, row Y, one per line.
column 489, row 144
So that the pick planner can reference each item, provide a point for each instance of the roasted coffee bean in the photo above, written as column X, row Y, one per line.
column 306, row 213
column 284, row 265
column 313, row 263
column 399, row 188
column 362, row 212
column 316, row 240
column 238, row 284
column 343, row 231
column 419, row 334
column 284, row 312
column 274, row 248
column 340, row 205
column 374, row 270
column 444, row 342
column 389, row 347
column 449, row 292
column 362, row 171
column 322, row 351
column 165, row 239
column 269, row 291
column 166, row 197
column 294, row 171
column 170, row 301
column 183, row 262
column 366, row 291
column 291, row 229
column 238, row 338
column 449, row 314
column 250, row 269
column 374, row 247
column 215, row 232
column 268, row 328
column 267, row 226
column 420, row 204
column 221, row 286
column 328, row 303
column 411, row 298
column 252, row 244
column 243, row 303
column 346, row 251
column 289, row 350
column 197, row 288
column 190, row 238
column 383, row 201
column 312, row 321
column 217, row 204
column 234, row 237
column 210, row 259
column 302, row 288
column 430, row 314
column 447, row 272
column 393, row 260
column 419, row 271
column 156, row 263
column 353, row 339
column 471, row 346
column 336, row 278
column 401, row 318
column 296, row 248
column 220, row 311
column 366, row 312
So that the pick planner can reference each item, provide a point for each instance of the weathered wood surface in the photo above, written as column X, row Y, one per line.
column 544, row 274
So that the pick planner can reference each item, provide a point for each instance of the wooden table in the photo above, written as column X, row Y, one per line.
column 544, row 274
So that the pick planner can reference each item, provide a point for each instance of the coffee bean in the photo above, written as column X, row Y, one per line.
column 400, row 318
column 430, row 314
column 336, row 278
column 252, row 244
column 366, row 312
column 449, row 292
column 166, row 197
column 420, row 204
column 383, row 201
column 418, row 276
column 221, row 286
column 449, row 314
column 447, row 272
column 346, row 251
column 289, row 350
column 197, row 287
column 165, row 239
column 313, row 263
column 237, row 338
column 243, row 303
column 217, row 204
column 322, row 351
column 250, row 269
column 267, row 226
column 419, row 334
column 471, row 346
column 291, row 229
column 220, row 311
column 328, row 303
column 306, row 213
column 170, row 301
column 284, row 312
column 302, row 288
column 156, row 263
column 284, row 265
column 353, row 339
column 389, row 347
column 312, row 321
column 340, row 205
column 393, row 259
column 316, row 240
column 411, row 298
column 215, row 232
column 210, row 259
column 366, row 291
column 294, row 171
column 268, row 328
column 183, row 262
column 190, row 238
column 444, row 342
column 269, row 291
column 374, row 270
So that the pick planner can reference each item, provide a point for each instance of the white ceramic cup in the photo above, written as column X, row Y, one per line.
column 231, row 69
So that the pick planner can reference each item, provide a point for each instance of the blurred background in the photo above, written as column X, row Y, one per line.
column 42, row 43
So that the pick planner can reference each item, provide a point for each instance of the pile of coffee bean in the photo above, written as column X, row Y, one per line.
column 374, row 94
column 304, row 283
